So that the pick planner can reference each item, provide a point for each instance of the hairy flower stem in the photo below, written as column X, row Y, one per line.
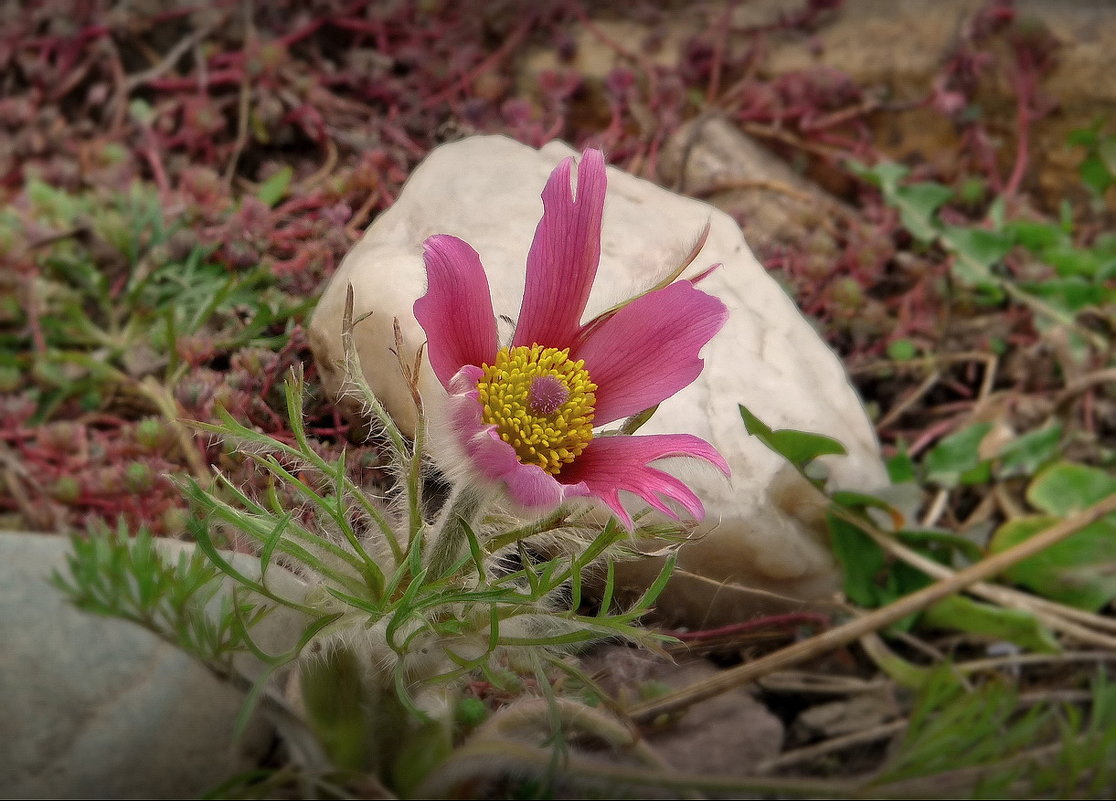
column 451, row 536
column 549, row 522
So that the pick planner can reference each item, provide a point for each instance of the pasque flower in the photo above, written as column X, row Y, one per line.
column 525, row 413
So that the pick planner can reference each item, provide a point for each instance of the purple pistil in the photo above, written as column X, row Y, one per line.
column 547, row 394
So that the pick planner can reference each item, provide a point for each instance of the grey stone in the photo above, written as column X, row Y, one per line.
column 731, row 734
column 836, row 718
column 711, row 158
column 96, row 707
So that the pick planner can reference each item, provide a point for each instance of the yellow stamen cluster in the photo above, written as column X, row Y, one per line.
column 549, row 440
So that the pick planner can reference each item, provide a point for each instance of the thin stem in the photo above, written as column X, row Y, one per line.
column 355, row 379
column 413, row 476
column 509, row 537
column 450, row 540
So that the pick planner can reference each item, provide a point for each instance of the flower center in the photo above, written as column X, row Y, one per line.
column 547, row 394
column 541, row 403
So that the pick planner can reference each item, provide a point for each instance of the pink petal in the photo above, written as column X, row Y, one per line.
column 495, row 460
column 564, row 255
column 648, row 350
column 612, row 464
column 456, row 311
column 527, row 484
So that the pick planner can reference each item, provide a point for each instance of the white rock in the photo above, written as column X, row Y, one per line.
column 762, row 529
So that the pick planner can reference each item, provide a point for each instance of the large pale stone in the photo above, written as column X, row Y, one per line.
column 710, row 158
column 731, row 734
column 762, row 528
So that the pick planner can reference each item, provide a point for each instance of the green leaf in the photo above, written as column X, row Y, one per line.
column 917, row 204
column 141, row 111
column 754, row 426
column 1106, row 151
column 1079, row 571
column 901, row 350
column 1035, row 236
column 981, row 474
column 1027, row 453
column 274, row 188
column 1105, row 244
column 651, row 594
column 859, row 501
column 200, row 530
column 272, row 541
column 886, row 175
column 1016, row 626
column 1071, row 261
column 636, row 421
column 1065, row 215
column 952, row 729
column 862, row 562
column 922, row 538
column 476, row 552
column 1086, row 137
column 1106, row 270
column 972, row 190
column 977, row 250
column 901, row 467
column 995, row 216
column 1070, row 294
column 802, row 447
column 1095, row 173
column 1068, row 487
column 798, row 447
column 609, row 587
column 905, row 674
column 871, row 579
column 956, row 459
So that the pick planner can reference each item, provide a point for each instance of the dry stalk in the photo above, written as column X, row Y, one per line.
column 1083, row 384
column 172, row 56
column 1057, row 616
column 809, row 753
column 875, row 620
column 244, row 102
column 1018, row 660
column 801, row 683
column 909, row 400
column 933, row 361
column 937, row 508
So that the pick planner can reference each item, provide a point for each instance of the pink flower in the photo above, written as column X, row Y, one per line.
column 525, row 413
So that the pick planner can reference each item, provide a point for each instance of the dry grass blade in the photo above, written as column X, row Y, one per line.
column 876, row 620
column 811, row 752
